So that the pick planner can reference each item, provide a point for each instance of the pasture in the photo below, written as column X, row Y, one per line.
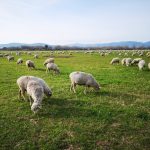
column 117, row 117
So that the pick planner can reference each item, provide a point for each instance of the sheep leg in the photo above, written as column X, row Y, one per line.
column 23, row 94
column 46, row 70
column 73, row 87
column 85, row 90
column 30, row 99
column 19, row 94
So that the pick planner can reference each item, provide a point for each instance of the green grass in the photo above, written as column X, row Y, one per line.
column 118, row 117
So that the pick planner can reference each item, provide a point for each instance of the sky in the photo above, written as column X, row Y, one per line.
column 74, row 21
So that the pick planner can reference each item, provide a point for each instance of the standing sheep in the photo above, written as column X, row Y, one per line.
column 128, row 61
column 82, row 78
column 36, row 56
column 53, row 67
column 19, row 61
column 10, row 58
column 123, row 61
column 49, row 60
column 36, row 93
column 136, row 61
column 30, row 64
column 141, row 64
column 115, row 60
column 23, row 81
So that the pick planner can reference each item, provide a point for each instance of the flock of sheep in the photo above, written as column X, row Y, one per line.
column 36, row 87
column 129, row 61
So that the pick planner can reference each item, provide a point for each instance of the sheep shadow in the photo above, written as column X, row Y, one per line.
column 40, row 69
column 64, row 108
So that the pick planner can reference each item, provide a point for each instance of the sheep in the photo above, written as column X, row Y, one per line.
column 35, row 92
column 36, row 56
column 53, row 67
column 123, row 61
column 115, row 60
column 19, row 61
column 10, row 58
column 149, row 66
column 23, row 81
column 82, row 78
column 141, row 64
column 18, row 53
column 30, row 64
column 136, row 61
column 49, row 60
column 128, row 61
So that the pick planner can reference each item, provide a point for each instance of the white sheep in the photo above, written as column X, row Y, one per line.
column 53, row 67
column 36, row 56
column 141, row 64
column 23, row 81
column 36, row 93
column 30, row 64
column 19, row 61
column 49, row 60
column 115, row 60
column 82, row 78
column 123, row 61
column 10, row 58
column 128, row 61
column 136, row 61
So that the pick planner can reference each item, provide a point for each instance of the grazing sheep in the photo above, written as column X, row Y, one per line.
column 149, row 66
column 18, row 53
column 53, row 67
column 141, row 64
column 36, row 56
column 128, row 61
column 49, row 60
column 123, row 61
column 36, row 93
column 29, row 53
column 10, row 58
column 23, row 81
column 19, row 61
column 1, row 55
column 82, row 78
column 115, row 60
column 136, row 61
column 30, row 64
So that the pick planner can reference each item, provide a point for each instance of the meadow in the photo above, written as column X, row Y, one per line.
column 117, row 117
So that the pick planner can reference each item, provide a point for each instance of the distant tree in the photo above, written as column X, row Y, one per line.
column 46, row 46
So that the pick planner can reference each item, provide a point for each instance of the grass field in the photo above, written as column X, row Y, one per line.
column 118, row 117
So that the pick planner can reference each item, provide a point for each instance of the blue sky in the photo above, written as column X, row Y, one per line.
column 74, row 21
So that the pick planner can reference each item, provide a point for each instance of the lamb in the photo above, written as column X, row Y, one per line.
column 82, row 78
column 19, row 61
column 53, row 67
column 23, row 81
column 49, row 60
column 36, row 93
column 141, row 64
column 128, row 61
column 136, row 61
column 115, row 60
column 10, row 58
column 30, row 64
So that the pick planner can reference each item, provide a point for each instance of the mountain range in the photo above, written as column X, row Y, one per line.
column 129, row 44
